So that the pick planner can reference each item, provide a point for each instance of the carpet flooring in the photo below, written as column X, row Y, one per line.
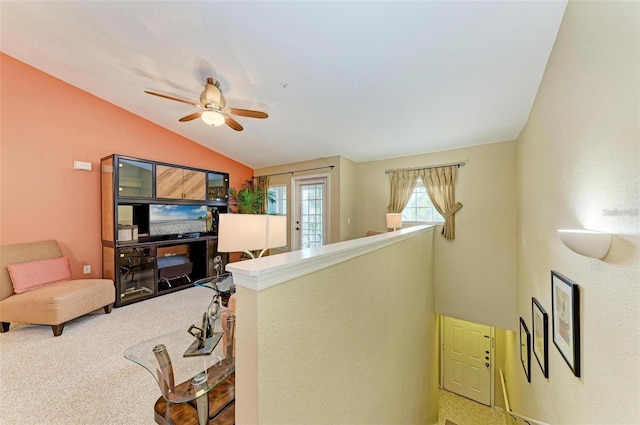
column 82, row 377
column 456, row 410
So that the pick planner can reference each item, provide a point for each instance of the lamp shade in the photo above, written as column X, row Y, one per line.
column 276, row 231
column 394, row 220
column 251, row 232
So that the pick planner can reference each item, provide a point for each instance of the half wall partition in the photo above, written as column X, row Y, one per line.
column 342, row 333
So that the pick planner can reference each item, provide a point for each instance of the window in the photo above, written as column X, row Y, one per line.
column 280, row 195
column 419, row 208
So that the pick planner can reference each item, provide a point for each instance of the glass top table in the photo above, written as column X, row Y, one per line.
column 180, row 378
column 187, row 367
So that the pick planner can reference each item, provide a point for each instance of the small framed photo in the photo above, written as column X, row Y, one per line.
column 525, row 349
column 566, row 319
column 540, row 335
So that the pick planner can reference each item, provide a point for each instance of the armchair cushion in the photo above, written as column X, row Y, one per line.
column 34, row 274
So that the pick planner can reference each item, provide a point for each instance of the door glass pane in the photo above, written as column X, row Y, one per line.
column 279, row 194
column 311, row 215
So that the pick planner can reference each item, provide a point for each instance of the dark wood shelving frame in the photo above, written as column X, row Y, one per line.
column 202, row 244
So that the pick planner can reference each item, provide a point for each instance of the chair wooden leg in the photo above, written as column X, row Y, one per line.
column 57, row 329
column 108, row 308
column 5, row 327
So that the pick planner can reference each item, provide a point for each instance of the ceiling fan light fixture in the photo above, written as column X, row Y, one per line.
column 213, row 107
column 213, row 118
column 211, row 95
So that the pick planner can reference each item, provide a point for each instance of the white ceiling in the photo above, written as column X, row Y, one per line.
column 366, row 80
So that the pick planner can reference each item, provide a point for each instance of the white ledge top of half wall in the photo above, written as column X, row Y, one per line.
column 264, row 272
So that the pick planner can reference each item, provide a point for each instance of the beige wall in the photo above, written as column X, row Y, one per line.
column 475, row 273
column 348, row 200
column 499, row 364
column 578, row 156
column 353, row 343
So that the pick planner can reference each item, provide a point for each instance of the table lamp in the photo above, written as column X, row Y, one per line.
column 394, row 221
column 251, row 232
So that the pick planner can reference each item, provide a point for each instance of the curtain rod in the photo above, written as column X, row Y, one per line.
column 297, row 171
column 457, row 164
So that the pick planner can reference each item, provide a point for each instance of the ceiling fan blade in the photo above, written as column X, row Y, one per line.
column 233, row 123
column 177, row 99
column 191, row 117
column 246, row 113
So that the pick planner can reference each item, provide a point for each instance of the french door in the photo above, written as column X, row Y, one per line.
column 310, row 216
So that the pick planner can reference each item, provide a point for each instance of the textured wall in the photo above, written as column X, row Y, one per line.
column 578, row 161
column 348, row 200
column 475, row 274
column 354, row 343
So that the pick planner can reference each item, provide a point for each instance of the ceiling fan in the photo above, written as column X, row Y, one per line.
column 213, row 107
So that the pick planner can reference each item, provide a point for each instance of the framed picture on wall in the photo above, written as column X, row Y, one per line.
column 566, row 319
column 525, row 350
column 540, row 335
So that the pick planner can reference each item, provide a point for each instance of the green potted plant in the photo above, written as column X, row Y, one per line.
column 250, row 199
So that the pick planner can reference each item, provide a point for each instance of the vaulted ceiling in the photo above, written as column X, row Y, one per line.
column 365, row 80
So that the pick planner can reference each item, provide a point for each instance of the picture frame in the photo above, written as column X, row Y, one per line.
column 565, row 312
column 525, row 349
column 540, row 335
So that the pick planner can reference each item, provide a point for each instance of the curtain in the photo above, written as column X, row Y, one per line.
column 401, row 183
column 262, row 184
column 441, row 187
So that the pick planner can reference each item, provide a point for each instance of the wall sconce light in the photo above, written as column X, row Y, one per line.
column 251, row 232
column 394, row 221
column 586, row 242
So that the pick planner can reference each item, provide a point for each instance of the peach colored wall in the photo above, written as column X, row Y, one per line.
column 46, row 124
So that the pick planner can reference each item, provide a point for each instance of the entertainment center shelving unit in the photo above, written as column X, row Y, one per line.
column 159, row 225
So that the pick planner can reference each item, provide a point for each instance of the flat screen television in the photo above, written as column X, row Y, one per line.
column 166, row 219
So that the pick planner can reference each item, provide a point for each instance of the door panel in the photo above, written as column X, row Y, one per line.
column 195, row 184
column 180, row 183
column 169, row 182
column 457, row 368
column 467, row 359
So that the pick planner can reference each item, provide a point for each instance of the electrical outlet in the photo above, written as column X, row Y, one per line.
column 86, row 269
